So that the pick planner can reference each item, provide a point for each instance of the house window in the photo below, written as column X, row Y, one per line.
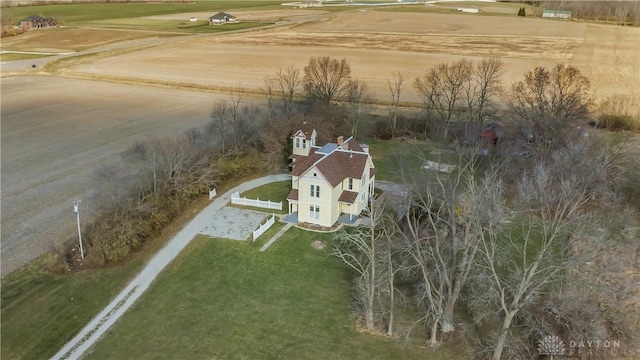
column 364, row 179
column 315, row 191
column 304, row 143
column 350, row 184
column 314, row 212
column 297, row 142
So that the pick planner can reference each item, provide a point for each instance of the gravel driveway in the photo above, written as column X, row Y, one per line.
column 234, row 223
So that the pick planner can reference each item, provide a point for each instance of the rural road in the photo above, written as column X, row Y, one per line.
column 100, row 324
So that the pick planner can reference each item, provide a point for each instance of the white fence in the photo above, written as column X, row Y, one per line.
column 263, row 228
column 237, row 200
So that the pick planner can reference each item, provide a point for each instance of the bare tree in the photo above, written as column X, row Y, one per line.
column 177, row 160
column 358, row 100
column 269, row 91
column 486, row 84
column 218, row 128
column 145, row 160
column 426, row 87
column 390, row 251
column 518, row 264
column 445, row 222
column 288, row 81
column 549, row 102
column 396, row 85
column 250, row 121
column 325, row 78
column 359, row 249
column 235, row 105
column 113, row 184
column 445, row 87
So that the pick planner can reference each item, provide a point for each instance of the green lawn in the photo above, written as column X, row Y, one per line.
column 394, row 158
column 276, row 192
column 41, row 312
column 224, row 299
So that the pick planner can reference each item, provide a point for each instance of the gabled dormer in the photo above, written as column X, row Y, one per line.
column 304, row 137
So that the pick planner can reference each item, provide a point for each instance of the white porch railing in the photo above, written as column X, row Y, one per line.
column 237, row 200
column 264, row 227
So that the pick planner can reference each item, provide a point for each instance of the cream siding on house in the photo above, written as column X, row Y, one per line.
column 335, row 209
column 301, row 145
column 305, row 200
column 339, row 160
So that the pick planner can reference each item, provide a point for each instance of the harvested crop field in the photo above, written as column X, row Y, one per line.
column 378, row 42
column 55, row 132
column 70, row 39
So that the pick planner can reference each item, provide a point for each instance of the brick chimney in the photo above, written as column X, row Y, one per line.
column 342, row 144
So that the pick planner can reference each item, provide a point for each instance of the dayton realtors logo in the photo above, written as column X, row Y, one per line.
column 553, row 346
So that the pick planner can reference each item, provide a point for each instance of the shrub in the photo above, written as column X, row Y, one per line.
column 620, row 112
column 381, row 130
column 617, row 122
column 115, row 236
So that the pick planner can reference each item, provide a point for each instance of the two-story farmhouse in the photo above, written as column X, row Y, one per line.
column 329, row 181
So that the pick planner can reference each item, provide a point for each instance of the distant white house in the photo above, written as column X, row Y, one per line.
column 193, row 19
column 469, row 10
column 221, row 18
column 556, row 14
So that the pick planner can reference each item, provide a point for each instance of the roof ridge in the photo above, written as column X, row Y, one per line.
column 352, row 151
column 324, row 156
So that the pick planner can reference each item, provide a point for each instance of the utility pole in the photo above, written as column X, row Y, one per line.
column 76, row 209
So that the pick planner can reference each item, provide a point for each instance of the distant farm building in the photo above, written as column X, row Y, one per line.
column 556, row 14
column 193, row 19
column 468, row 10
column 221, row 18
column 311, row 3
column 37, row 22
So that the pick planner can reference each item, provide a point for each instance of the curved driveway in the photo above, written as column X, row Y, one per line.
column 204, row 221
